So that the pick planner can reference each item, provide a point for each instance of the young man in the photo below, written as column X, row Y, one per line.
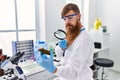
column 77, row 49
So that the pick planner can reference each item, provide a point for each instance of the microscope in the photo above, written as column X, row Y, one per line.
column 10, row 70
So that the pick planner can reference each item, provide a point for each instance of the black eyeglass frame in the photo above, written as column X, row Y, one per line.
column 60, row 30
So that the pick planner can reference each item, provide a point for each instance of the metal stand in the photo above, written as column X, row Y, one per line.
column 102, row 73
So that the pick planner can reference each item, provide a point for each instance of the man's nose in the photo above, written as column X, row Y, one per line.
column 67, row 21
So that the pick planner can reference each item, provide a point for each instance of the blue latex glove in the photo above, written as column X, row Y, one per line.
column 37, row 55
column 46, row 62
column 62, row 44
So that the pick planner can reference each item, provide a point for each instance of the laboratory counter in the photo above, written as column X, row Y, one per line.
column 33, row 71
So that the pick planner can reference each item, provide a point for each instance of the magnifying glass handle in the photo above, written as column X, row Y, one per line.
column 57, row 42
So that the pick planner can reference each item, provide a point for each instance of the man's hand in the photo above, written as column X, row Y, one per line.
column 46, row 62
column 62, row 44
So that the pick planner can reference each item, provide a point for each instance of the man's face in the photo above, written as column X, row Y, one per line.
column 71, row 21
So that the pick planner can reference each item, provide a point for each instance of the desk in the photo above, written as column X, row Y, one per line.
column 33, row 71
column 101, row 53
column 99, row 50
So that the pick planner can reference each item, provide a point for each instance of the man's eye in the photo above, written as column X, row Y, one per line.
column 70, row 17
column 64, row 18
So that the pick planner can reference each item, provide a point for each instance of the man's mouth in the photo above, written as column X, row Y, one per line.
column 69, row 26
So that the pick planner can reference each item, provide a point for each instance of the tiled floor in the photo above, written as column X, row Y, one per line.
column 113, row 75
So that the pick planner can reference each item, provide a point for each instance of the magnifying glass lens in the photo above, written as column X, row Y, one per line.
column 60, row 34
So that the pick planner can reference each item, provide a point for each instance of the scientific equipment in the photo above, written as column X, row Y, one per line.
column 60, row 34
column 3, row 57
column 26, row 46
column 97, row 24
column 42, row 46
column 10, row 70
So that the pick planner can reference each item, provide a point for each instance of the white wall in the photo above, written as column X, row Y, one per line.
column 109, row 12
column 92, row 12
column 40, row 19
column 53, row 19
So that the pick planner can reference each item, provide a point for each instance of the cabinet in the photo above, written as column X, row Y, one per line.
column 103, row 38
column 103, row 52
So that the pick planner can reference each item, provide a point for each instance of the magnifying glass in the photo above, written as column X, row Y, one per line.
column 60, row 34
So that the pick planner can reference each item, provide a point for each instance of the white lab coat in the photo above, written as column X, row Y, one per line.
column 77, row 60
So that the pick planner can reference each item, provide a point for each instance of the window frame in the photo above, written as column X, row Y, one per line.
column 17, row 31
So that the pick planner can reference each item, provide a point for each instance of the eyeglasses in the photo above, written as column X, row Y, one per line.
column 69, row 17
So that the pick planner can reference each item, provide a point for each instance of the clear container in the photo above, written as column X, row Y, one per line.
column 40, row 44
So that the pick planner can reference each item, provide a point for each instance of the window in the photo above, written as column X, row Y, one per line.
column 17, row 22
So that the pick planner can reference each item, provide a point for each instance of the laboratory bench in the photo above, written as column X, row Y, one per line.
column 33, row 71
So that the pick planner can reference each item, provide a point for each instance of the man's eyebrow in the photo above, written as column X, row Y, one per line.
column 70, row 15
